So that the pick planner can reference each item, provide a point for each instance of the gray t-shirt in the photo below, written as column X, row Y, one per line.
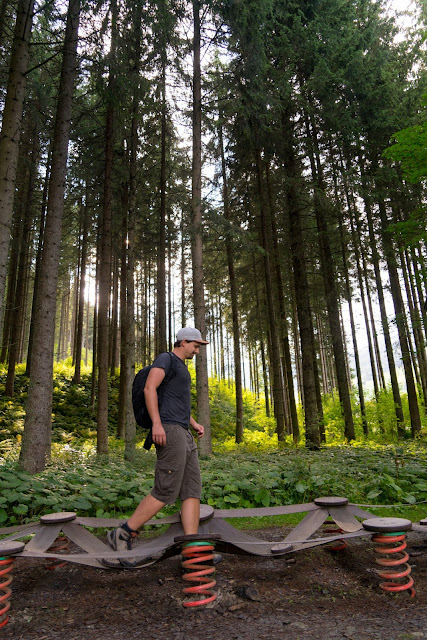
column 176, row 401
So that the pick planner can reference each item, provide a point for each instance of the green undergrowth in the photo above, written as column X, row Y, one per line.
column 74, row 419
column 112, row 488
column 256, row 473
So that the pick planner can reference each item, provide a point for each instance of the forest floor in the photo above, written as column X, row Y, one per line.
column 317, row 594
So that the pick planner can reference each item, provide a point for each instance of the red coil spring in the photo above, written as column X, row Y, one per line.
column 400, row 563
column 338, row 545
column 61, row 544
column 196, row 553
column 6, row 566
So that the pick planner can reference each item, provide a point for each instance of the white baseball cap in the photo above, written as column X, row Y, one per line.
column 191, row 335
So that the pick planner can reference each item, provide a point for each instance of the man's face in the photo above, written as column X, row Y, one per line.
column 191, row 349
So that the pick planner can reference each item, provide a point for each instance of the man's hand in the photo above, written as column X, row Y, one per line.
column 158, row 434
column 199, row 429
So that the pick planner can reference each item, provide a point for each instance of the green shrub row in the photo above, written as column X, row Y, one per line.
column 113, row 488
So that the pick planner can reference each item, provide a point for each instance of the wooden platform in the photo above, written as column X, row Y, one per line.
column 89, row 550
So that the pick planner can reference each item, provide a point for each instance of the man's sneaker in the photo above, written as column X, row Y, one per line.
column 121, row 540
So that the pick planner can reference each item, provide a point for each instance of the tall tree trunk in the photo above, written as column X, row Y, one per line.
column 212, row 346
column 114, row 316
column 3, row 7
column 275, row 360
column 86, row 338
column 368, row 288
column 128, row 334
column 351, row 208
column 23, row 339
column 20, row 291
column 417, row 261
column 233, row 297
column 9, row 311
column 308, row 356
column 420, row 357
column 348, row 291
column 75, row 307
column 161, row 340
column 287, row 364
column 105, row 255
column 326, row 387
column 126, row 421
column 171, row 297
column 93, row 379
column 365, row 311
column 11, row 129
column 354, row 336
column 123, row 382
column 260, row 333
column 36, row 441
column 61, row 327
column 83, row 260
column 182, row 270
column 380, row 292
column 396, row 293
column 321, row 207
column 222, row 374
column 38, row 262
column 202, row 382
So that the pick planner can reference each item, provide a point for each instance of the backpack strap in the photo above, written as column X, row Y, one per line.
column 160, row 391
column 170, row 373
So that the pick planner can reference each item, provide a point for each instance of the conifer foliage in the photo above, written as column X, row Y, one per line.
column 252, row 167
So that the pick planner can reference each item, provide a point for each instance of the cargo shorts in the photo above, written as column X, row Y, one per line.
column 177, row 471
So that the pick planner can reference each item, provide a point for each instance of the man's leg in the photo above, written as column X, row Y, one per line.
column 190, row 515
column 120, row 539
column 147, row 508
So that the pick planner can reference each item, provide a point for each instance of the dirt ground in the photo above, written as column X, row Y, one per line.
column 317, row 594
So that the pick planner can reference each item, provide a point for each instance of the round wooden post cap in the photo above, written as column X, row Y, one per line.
column 198, row 537
column 206, row 512
column 11, row 547
column 57, row 518
column 387, row 525
column 281, row 547
column 331, row 501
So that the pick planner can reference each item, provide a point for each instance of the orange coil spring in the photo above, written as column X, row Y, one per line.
column 196, row 553
column 397, row 566
column 61, row 544
column 6, row 566
column 338, row 545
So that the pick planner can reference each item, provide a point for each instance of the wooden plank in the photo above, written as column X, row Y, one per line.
column 265, row 511
column 308, row 526
column 344, row 519
column 44, row 538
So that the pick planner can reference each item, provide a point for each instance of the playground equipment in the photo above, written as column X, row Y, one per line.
column 197, row 550
column 9, row 549
column 90, row 550
column 388, row 532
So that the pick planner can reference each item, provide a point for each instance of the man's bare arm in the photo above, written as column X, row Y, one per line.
column 198, row 428
column 154, row 380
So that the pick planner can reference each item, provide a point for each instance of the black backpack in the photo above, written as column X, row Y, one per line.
column 140, row 411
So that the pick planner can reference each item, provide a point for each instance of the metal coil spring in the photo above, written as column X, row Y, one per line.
column 6, row 566
column 196, row 553
column 394, row 562
column 61, row 544
column 337, row 545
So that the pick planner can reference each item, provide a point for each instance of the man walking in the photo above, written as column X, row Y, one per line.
column 177, row 471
